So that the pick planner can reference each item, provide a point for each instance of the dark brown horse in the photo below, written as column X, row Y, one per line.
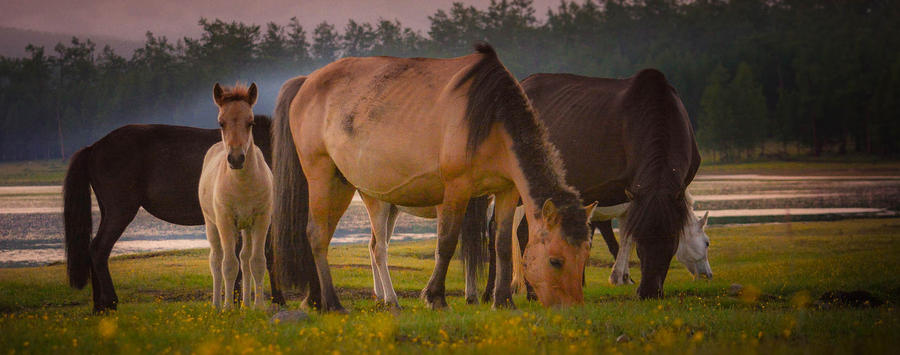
column 156, row 167
column 624, row 140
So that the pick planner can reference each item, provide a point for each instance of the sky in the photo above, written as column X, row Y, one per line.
column 131, row 19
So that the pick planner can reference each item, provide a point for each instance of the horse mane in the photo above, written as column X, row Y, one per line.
column 496, row 96
column 238, row 92
column 659, row 208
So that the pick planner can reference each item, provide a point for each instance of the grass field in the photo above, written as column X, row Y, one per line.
column 784, row 269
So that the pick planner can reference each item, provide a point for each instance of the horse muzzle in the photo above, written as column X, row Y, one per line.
column 236, row 161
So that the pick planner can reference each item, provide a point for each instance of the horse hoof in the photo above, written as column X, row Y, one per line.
column 434, row 300
column 618, row 279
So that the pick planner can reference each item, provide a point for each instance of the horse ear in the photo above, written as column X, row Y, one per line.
column 217, row 94
column 704, row 219
column 550, row 213
column 589, row 210
column 252, row 94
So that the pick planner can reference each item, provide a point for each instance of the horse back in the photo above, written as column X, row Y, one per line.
column 153, row 166
column 584, row 123
column 369, row 113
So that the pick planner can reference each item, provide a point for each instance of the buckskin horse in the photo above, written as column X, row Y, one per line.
column 236, row 198
column 421, row 132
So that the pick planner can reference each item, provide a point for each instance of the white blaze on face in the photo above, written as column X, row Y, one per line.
column 694, row 247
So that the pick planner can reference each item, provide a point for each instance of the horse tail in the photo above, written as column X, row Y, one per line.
column 518, row 272
column 294, row 266
column 474, row 235
column 658, row 208
column 77, row 218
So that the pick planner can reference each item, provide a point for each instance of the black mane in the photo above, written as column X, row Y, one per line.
column 495, row 96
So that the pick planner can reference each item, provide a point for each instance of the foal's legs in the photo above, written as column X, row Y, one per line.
column 246, row 277
column 382, row 216
column 215, row 262
column 228, row 235
column 257, row 240
column 329, row 197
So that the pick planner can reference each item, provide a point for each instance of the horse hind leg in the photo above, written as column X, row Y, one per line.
column 382, row 215
column 113, row 221
column 376, row 277
column 329, row 196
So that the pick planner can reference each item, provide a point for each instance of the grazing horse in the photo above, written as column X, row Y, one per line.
column 422, row 132
column 624, row 141
column 236, row 197
column 692, row 250
column 156, row 167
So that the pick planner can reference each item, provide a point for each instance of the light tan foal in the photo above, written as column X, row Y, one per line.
column 236, row 197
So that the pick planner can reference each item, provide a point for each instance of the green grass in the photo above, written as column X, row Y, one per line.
column 786, row 266
column 35, row 172
column 837, row 165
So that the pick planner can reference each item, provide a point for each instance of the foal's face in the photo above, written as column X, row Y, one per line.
column 552, row 265
column 236, row 122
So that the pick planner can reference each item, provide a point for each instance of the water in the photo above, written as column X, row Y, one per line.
column 31, row 216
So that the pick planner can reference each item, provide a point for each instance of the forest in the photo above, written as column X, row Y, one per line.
column 759, row 78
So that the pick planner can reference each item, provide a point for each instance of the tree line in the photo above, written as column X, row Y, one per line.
column 756, row 76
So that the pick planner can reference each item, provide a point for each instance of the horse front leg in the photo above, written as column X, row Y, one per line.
column 619, row 274
column 504, row 209
column 215, row 262
column 257, row 240
column 450, row 216
column 246, row 279
column 228, row 235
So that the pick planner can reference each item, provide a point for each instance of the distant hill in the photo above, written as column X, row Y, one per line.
column 14, row 40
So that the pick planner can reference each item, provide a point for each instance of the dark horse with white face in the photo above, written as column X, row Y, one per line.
column 624, row 140
column 156, row 167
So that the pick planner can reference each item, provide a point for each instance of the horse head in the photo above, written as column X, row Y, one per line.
column 236, row 120
column 555, row 256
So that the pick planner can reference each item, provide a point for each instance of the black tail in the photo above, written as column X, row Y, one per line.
column 474, row 235
column 658, row 208
column 77, row 218
column 294, row 265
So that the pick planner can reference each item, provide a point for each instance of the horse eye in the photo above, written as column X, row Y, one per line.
column 707, row 244
column 221, row 124
column 556, row 262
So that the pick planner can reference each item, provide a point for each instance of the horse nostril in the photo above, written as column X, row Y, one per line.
column 236, row 161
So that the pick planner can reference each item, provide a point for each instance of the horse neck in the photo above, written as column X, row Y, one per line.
column 537, row 180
